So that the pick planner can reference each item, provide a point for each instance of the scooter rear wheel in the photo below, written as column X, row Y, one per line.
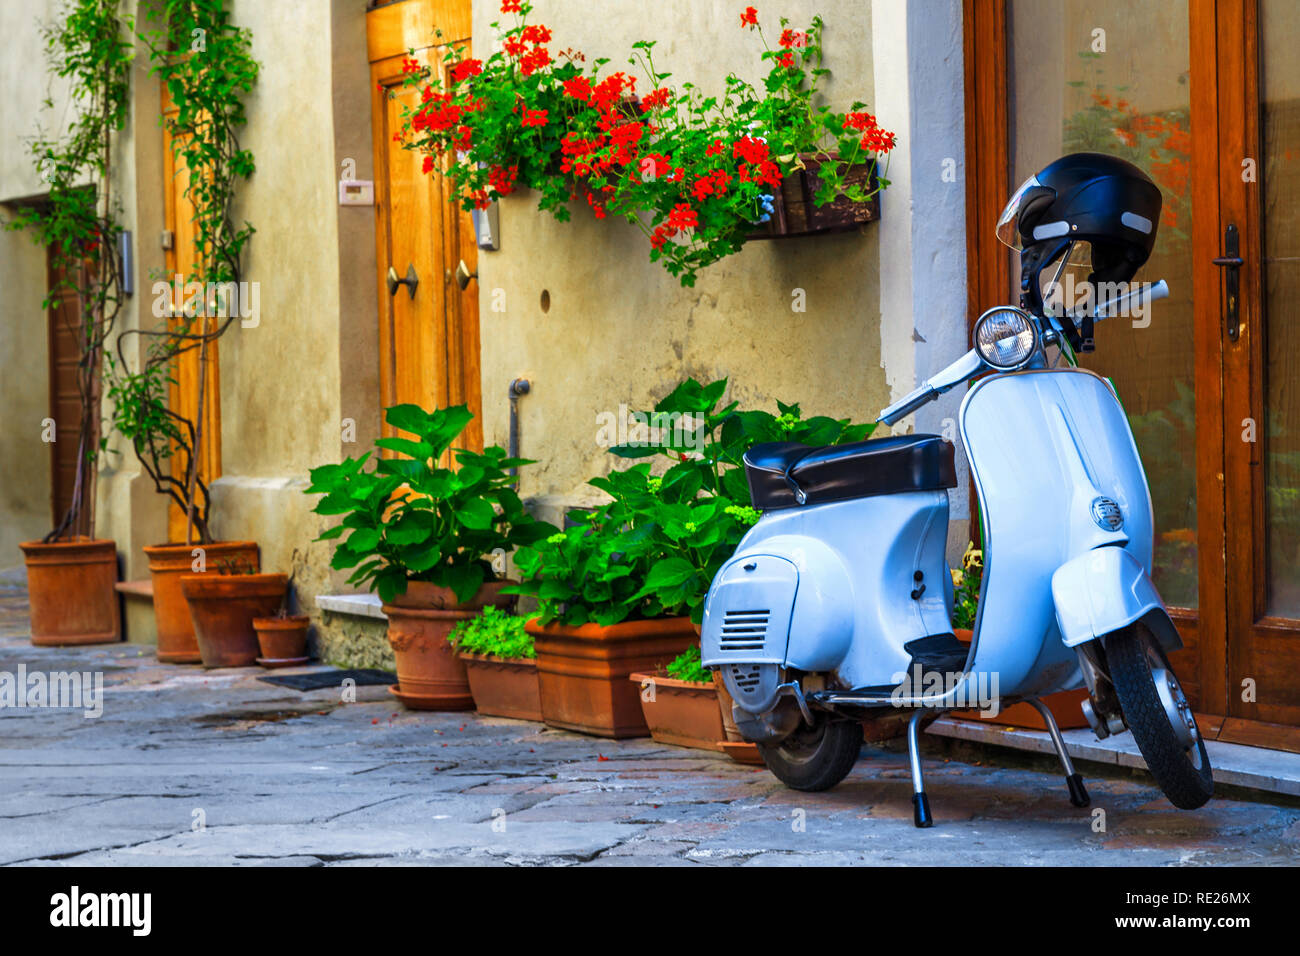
column 817, row 757
column 1157, row 712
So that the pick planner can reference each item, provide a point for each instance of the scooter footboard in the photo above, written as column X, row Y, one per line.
column 1104, row 590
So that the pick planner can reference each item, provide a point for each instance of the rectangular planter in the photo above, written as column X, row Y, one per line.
column 795, row 214
column 583, row 671
column 504, row 688
column 680, row 712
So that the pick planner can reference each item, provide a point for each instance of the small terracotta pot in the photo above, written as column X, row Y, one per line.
column 680, row 712
column 177, row 643
column 583, row 671
column 282, row 638
column 504, row 688
column 70, row 591
column 429, row 671
column 223, row 606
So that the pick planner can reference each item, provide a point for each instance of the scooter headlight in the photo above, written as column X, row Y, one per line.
column 1006, row 338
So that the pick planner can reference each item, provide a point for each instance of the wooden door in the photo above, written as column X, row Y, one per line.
column 65, row 336
column 1257, row 110
column 429, row 341
column 182, row 267
column 1205, row 96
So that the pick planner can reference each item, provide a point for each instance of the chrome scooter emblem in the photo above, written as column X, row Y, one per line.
column 1107, row 514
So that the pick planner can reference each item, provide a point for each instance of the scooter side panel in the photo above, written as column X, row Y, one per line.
column 1043, row 445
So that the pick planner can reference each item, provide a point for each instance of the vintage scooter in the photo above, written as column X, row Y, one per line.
column 836, row 608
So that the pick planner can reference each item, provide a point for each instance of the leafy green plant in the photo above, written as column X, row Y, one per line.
column 686, row 666
column 408, row 518
column 78, row 219
column 206, row 63
column 495, row 633
column 693, row 172
column 966, row 588
column 654, row 548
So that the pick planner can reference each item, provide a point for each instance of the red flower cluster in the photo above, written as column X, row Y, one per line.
column 438, row 113
column 682, row 217
column 534, row 117
column 465, row 69
column 760, row 168
column 579, row 88
column 874, row 138
column 656, row 99
column 410, row 65
column 749, row 18
column 502, row 179
column 511, row 6
column 793, row 39
column 711, row 184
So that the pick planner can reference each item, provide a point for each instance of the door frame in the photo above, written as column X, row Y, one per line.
column 1223, row 86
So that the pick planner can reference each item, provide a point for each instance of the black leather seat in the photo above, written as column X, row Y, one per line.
column 788, row 474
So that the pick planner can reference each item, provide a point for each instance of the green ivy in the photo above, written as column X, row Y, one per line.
column 78, row 220
column 207, row 65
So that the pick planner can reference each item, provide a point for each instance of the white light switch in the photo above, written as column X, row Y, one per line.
column 356, row 192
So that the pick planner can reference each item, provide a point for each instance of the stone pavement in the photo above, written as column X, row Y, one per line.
column 197, row 767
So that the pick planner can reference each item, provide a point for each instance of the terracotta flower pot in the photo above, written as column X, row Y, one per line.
column 504, row 688
column 282, row 638
column 430, row 675
column 70, row 590
column 177, row 643
column 223, row 607
column 1064, row 706
column 583, row 671
column 680, row 712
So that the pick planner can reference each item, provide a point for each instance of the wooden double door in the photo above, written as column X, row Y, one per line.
column 1204, row 95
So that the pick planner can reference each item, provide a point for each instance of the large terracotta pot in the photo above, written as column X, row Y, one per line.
column 223, row 606
column 70, row 590
column 583, row 671
column 167, row 562
column 504, row 688
column 680, row 712
column 430, row 675
column 282, row 638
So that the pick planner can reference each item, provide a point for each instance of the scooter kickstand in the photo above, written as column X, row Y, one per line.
column 1073, row 782
column 920, row 802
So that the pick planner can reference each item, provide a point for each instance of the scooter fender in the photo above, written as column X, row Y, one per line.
column 1103, row 590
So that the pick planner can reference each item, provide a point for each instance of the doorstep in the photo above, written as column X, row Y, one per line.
column 354, row 605
column 1272, row 771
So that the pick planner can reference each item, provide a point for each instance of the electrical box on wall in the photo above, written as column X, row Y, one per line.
column 356, row 192
column 487, row 226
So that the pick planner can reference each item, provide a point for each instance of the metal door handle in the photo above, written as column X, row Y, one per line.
column 411, row 281
column 1232, row 261
column 463, row 275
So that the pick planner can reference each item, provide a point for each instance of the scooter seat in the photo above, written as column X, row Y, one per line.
column 788, row 474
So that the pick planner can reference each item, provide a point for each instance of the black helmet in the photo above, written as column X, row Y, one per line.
column 1084, row 197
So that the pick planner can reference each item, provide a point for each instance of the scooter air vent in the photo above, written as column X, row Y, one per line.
column 744, row 630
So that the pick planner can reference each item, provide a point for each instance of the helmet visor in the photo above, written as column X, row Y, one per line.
column 1008, row 223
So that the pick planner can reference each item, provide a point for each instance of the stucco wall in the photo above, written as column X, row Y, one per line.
column 620, row 329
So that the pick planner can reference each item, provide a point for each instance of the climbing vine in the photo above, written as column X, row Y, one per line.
column 206, row 63
column 77, row 221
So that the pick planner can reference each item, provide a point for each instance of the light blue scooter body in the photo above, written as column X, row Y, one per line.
column 829, row 588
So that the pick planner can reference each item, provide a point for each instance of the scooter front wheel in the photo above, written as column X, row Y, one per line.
column 816, row 757
column 1160, row 717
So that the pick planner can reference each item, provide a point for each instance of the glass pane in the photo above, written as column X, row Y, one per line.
column 1280, row 178
column 1111, row 76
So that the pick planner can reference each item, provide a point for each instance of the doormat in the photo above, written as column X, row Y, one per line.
column 334, row 678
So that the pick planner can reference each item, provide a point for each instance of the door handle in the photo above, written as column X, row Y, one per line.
column 463, row 275
column 411, row 281
column 1232, row 261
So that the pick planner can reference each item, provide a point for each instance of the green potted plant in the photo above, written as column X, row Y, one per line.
column 71, row 573
column 207, row 91
column 501, row 663
column 622, row 590
column 423, row 536
column 697, row 174
column 223, row 605
column 680, row 704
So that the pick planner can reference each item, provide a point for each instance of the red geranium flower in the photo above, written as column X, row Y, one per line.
column 534, row 117
column 749, row 18
column 465, row 69
column 511, row 6
column 579, row 88
column 658, row 98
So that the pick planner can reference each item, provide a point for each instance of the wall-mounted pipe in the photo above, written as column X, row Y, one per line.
column 519, row 387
